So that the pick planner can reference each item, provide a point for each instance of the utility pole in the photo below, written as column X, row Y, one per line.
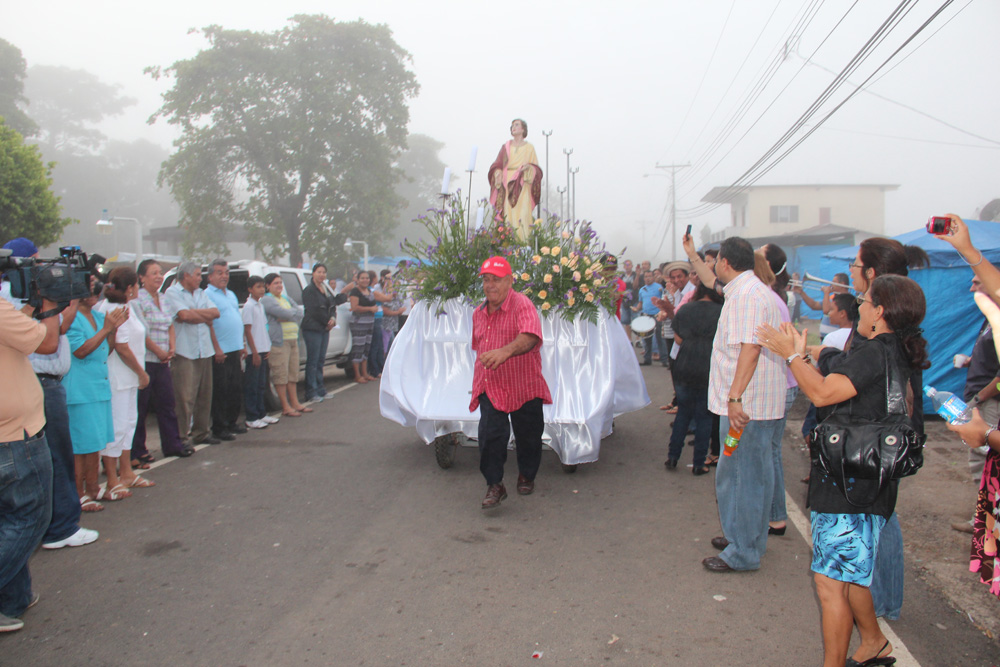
column 572, row 210
column 547, row 175
column 568, row 152
column 674, row 168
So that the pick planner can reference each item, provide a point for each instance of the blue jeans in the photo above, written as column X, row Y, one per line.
column 316, row 344
column 692, row 405
column 887, row 582
column 65, row 501
column 744, row 484
column 778, row 511
column 254, row 387
column 25, row 509
column 809, row 423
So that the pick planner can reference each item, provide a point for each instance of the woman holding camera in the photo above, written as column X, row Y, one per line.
column 846, row 536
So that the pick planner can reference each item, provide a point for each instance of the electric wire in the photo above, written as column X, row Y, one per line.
column 745, row 181
column 755, row 171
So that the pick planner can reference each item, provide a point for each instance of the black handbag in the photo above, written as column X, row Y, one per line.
column 845, row 447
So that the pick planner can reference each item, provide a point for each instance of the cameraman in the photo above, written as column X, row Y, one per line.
column 26, row 478
column 64, row 527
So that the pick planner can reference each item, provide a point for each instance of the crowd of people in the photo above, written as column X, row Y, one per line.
column 192, row 355
column 724, row 325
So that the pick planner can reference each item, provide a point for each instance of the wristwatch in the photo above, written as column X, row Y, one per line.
column 791, row 358
column 738, row 399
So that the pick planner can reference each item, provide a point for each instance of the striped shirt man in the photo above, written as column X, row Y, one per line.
column 749, row 303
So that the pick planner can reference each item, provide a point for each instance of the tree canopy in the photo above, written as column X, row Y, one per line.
column 12, row 72
column 291, row 133
column 27, row 205
column 67, row 103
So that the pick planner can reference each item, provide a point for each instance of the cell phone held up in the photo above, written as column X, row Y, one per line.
column 688, row 232
column 939, row 225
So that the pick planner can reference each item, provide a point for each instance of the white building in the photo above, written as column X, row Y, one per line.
column 778, row 210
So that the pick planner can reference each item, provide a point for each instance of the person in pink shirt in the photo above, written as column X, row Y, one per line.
column 507, row 383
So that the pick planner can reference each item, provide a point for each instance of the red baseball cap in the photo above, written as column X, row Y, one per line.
column 498, row 266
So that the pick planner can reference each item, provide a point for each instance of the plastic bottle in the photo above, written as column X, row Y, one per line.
column 948, row 405
column 732, row 441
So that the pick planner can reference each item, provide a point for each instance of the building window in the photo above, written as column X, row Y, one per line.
column 784, row 214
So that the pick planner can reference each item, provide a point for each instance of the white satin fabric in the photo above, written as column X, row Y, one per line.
column 592, row 373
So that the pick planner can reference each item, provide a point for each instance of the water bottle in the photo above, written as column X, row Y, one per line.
column 951, row 408
column 732, row 441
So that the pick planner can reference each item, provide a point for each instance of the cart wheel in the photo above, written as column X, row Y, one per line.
column 444, row 450
column 569, row 469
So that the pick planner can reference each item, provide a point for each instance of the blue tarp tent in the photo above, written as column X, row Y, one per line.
column 953, row 320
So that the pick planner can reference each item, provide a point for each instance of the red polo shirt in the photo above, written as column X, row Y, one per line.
column 519, row 379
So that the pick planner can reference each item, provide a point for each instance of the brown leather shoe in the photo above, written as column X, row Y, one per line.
column 524, row 485
column 494, row 494
column 720, row 542
column 716, row 564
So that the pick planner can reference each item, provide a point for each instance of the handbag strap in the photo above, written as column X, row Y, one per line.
column 895, row 389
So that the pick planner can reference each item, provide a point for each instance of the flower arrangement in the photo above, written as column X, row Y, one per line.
column 558, row 266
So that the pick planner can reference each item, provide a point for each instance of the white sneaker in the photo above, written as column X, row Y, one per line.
column 268, row 419
column 77, row 539
column 259, row 423
column 315, row 399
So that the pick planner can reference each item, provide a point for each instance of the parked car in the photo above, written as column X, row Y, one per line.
column 339, row 351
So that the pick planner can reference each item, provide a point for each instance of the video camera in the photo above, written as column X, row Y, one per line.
column 60, row 280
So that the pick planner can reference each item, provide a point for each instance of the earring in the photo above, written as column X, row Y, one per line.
column 873, row 328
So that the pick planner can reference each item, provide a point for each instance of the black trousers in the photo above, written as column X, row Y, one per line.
column 494, row 434
column 227, row 392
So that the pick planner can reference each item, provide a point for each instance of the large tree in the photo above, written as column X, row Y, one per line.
column 68, row 104
column 27, row 205
column 12, row 99
column 291, row 133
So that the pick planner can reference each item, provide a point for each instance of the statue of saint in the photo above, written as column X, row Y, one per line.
column 516, row 181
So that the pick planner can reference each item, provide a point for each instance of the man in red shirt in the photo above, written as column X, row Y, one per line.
column 507, row 384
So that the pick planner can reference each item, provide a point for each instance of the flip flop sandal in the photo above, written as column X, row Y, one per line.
column 88, row 504
column 119, row 492
column 141, row 483
column 138, row 464
column 304, row 409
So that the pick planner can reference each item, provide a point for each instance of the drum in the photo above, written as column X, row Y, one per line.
column 643, row 325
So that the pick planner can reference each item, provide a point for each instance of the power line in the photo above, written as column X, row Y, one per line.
column 704, row 74
column 917, row 139
column 760, row 167
column 745, row 181
column 763, row 113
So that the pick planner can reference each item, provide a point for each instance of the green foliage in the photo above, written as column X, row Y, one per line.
column 558, row 266
column 27, row 205
column 292, row 134
column 12, row 70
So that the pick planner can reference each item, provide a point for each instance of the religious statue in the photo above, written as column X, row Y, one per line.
column 516, row 181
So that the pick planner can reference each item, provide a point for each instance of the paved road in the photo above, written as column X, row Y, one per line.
column 335, row 539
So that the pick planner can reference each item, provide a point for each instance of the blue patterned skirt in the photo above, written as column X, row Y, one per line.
column 844, row 546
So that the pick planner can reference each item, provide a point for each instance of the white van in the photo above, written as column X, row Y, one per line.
column 295, row 280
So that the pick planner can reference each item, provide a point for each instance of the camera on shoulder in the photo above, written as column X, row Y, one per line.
column 60, row 280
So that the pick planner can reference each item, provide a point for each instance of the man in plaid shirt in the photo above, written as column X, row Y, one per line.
column 507, row 383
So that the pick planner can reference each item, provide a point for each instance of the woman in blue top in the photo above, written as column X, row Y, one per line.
column 88, row 396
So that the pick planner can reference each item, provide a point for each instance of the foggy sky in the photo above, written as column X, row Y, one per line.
column 626, row 85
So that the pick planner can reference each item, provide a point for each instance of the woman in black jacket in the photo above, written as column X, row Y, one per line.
column 316, row 325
